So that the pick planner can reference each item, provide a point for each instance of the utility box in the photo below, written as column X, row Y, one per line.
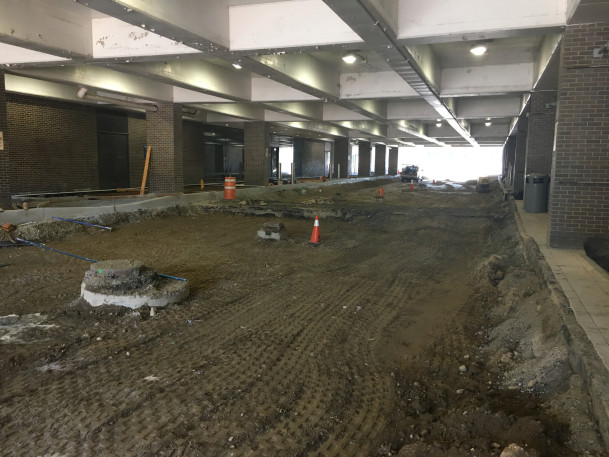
column 536, row 193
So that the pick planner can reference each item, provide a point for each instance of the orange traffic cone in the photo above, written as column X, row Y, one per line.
column 315, row 235
column 381, row 192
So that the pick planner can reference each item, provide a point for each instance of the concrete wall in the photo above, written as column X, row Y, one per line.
column 579, row 196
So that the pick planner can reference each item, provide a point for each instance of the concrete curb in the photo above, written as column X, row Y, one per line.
column 583, row 358
column 21, row 216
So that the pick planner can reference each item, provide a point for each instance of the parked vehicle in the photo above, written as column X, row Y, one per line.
column 410, row 173
column 483, row 185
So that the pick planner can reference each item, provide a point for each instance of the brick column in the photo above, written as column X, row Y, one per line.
column 540, row 138
column 5, row 175
column 509, row 154
column 393, row 161
column 341, row 157
column 363, row 168
column 579, row 186
column 379, row 159
column 520, row 157
column 164, row 136
column 256, row 158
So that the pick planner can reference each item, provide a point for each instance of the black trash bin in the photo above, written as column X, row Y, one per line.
column 536, row 193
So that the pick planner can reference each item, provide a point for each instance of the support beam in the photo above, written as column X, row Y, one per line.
column 34, row 24
column 489, row 79
column 102, row 78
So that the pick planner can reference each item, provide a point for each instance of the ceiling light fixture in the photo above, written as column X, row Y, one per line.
column 351, row 58
column 237, row 66
column 439, row 123
column 488, row 122
column 478, row 49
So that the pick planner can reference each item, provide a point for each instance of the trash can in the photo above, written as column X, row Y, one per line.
column 536, row 193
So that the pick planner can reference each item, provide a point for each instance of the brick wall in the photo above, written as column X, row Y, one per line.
column 53, row 145
column 520, row 157
column 5, row 175
column 379, row 159
column 137, row 149
column 341, row 157
column 393, row 162
column 257, row 161
column 164, row 135
column 363, row 168
column 579, row 187
column 540, row 138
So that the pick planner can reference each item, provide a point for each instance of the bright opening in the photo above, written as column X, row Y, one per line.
column 453, row 164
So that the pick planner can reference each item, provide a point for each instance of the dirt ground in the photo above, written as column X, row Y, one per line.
column 415, row 329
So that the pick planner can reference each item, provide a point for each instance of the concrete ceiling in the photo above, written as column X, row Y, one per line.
column 415, row 69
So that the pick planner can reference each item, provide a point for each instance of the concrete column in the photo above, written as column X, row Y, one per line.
column 341, row 157
column 256, row 157
column 520, row 157
column 509, row 154
column 164, row 136
column 5, row 170
column 363, row 168
column 579, row 186
column 379, row 159
column 540, row 138
column 393, row 161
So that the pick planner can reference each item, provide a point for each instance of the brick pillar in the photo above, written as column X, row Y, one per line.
column 164, row 136
column 379, row 159
column 509, row 154
column 520, row 157
column 579, row 186
column 540, row 138
column 363, row 168
column 5, row 176
column 393, row 161
column 341, row 157
column 256, row 157
column 298, row 153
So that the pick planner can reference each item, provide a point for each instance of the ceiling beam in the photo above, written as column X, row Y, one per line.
column 367, row 20
column 34, row 25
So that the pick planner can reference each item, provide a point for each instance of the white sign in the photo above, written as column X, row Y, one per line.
column 1, row 141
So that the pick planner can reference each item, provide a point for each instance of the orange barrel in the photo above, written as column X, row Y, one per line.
column 381, row 191
column 230, row 185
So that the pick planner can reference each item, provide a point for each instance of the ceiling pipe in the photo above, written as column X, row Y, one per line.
column 82, row 93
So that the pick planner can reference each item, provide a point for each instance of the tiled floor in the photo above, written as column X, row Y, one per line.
column 585, row 284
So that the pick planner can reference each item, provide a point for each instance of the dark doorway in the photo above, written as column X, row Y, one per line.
column 113, row 150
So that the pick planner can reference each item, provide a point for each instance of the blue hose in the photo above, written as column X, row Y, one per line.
column 83, row 258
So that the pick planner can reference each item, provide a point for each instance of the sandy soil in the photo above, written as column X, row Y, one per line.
column 416, row 329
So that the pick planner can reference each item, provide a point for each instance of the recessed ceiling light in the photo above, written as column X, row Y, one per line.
column 350, row 58
column 237, row 66
column 478, row 49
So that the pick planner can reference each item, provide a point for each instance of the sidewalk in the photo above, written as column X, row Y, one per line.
column 584, row 283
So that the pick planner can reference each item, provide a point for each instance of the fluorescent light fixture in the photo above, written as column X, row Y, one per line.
column 478, row 49
column 350, row 58
column 237, row 66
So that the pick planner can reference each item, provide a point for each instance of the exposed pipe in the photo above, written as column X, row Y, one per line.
column 83, row 223
column 82, row 93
